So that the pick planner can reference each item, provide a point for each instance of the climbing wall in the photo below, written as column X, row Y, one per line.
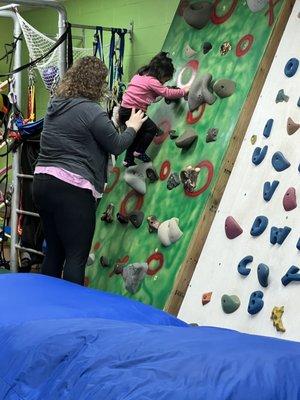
column 256, row 259
column 239, row 38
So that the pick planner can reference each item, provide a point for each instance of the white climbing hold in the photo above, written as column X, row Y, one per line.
column 169, row 232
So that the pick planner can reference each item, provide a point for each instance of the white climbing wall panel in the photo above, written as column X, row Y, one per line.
column 216, row 270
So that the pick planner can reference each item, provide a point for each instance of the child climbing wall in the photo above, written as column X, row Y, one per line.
column 248, row 270
column 216, row 47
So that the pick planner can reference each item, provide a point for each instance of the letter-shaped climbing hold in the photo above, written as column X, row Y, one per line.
column 188, row 51
column 197, row 14
column 281, row 96
column 259, row 154
column 298, row 244
column 256, row 302
column 224, row 87
column 278, row 235
column 230, row 303
column 279, row 162
column 268, row 128
column 186, row 139
column 206, row 297
column 207, row 46
column 291, row 275
column 269, row 189
column 263, row 274
column 211, row 135
column 257, row 5
column 133, row 275
column 291, row 67
column 242, row 266
column 291, row 126
column 259, row 225
column 289, row 199
column 232, row 228
column 199, row 92
column 276, row 318
column 169, row 232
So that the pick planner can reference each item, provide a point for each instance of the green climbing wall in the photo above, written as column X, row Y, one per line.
column 231, row 21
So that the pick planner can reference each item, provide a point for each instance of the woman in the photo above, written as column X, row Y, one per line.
column 71, row 168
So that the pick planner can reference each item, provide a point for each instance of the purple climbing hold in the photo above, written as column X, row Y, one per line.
column 291, row 126
column 232, row 228
column 278, row 235
column 242, row 266
column 259, row 154
column 268, row 128
column 259, row 225
column 279, row 162
column 289, row 199
column 269, row 189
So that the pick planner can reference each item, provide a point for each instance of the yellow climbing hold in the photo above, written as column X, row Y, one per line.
column 276, row 318
column 253, row 139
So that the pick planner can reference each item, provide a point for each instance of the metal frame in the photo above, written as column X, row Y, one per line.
column 108, row 29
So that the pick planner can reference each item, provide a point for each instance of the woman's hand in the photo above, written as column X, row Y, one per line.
column 136, row 119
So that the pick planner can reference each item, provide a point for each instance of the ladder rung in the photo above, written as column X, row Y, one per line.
column 30, row 213
column 17, row 246
column 25, row 176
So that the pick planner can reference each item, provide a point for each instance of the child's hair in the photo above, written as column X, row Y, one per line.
column 160, row 67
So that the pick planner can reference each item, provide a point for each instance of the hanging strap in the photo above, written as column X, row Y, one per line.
column 69, row 46
column 120, row 71
column 111, row 57
column 98, row 43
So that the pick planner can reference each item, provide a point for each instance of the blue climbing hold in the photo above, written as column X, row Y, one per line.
column 291, row 67
column 256, row 302
column 298, row 103
column 291, row 275
column 259, row 154
column 279, row 162
column 259, row 225
column 269, row 189
column 263, row 274
column 242, row 267
column 278, row 235
column 268, row 128
column 298, row 244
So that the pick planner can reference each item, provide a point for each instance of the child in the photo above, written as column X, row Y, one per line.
column 143, row 90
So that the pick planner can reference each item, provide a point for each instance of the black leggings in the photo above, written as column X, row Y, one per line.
column 68, row 217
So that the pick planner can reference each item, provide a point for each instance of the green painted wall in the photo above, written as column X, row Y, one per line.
column 6, row 31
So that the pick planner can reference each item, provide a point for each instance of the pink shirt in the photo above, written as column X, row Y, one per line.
column 143, row 90
column 68, row 177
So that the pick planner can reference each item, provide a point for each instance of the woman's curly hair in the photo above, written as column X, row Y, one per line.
column 86, row 78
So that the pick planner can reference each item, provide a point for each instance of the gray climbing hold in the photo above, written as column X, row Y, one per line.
column 281, row 96
column 259, row 225
column 189, row 178
column 207, row 46
column 173, row 181
column 291, row 126
column 197, row 14
column 257, row 5
column 224, row 87
column 169, row 232
column 173, row 134
column 211, row 135
column 186, row 140
column 90, row 260
column 153, row 223
column 135, row 177
column 199, row 92
column 291, row 275
column 136, row 218
column 230, row 303
column 242, row 266
column 269, row 189
column 263, row 274
column 279, row 162
column 259, row 155
column 133, row 275
column 104, row 261
column 188, row 51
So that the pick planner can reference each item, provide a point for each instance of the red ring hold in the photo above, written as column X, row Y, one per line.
column 239, row 51
column 165, row 170
column 190, row 119
column 138, row 203
column 155, row 257
column 117, row 173
column 220, row 19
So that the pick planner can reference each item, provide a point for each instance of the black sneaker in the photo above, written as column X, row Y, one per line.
column 143, row 157
column 129, row 162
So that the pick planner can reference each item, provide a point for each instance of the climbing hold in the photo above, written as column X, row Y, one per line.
column 136, row 218
column 291, row 275
column 279, row 162
column 186, row 140
column 211, row 135
column 268, row 128
column 291, row 126
column 263, row 274
column 281, row 96
column 135, row 177
column 169, row 232
column 253, row 139
column 207, row 46
column 230, row 303
column 197, row 14
column 224, row 87
column 289, row 199
column 188, row 51
column 225, row 48
column 107, row 216
column 259, row 225
column 104, row 261
column 269, row 189
column 259, row 154
column 276, row 318
column 206, row 297
column 256, row 302
column 152, row 174
column 256, row 5
column 291, row 67
column 173, row 134
column 232, row 228
column 189, row 178
column 298, row 102
column 123, row 219
column 153, row 223
column 199, row 93
column 173, row 181
column 298, row 244
column 90, row 260
column 278, row 235
column 242, row 266
column 133, row 275
column 174, row 101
